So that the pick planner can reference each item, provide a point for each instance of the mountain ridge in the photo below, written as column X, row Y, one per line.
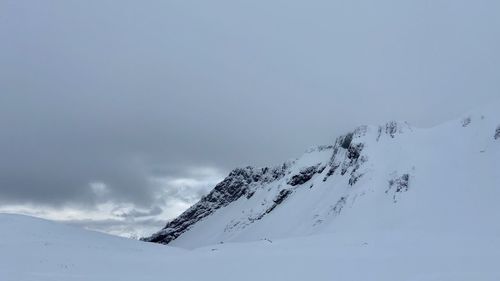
column 367, row 160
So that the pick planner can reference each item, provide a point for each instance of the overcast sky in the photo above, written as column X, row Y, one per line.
column 118, row 115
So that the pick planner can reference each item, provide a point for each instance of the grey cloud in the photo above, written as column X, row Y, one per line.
column 156, row 210
column 122, row 92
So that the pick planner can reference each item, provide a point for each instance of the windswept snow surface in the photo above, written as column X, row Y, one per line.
column 38, row 250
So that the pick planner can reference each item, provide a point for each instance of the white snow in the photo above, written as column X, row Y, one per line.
column 37, row 250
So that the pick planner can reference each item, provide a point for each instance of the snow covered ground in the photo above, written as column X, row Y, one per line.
column 37, row 250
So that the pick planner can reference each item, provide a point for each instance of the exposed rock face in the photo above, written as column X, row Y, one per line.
column 345, row 141
column 234, row 186
column 305, row 175
column 398, row 185
column 497, row 133
column 345, row 157
column 392, row 128
column 278, row 200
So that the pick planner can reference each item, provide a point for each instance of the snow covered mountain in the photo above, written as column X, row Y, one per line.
column 381, row 203
column 444, row 179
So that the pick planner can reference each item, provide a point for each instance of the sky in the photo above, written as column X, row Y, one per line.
column 118, row 115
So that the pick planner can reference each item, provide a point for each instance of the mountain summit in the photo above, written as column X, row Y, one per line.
column 375, row 178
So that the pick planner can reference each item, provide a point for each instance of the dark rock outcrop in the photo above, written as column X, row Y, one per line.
column 392, row 128
column 398, row 185
column 304, row 175
column 278, row 200
column 232, row 188
column 347, row 156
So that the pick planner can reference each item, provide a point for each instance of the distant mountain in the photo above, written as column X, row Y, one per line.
column 375, row 178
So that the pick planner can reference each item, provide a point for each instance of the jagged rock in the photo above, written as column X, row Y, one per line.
column 304, row 175
column 278, row 200
column 392, row 128
column 234, row 186
column 354, row 178
column 354, row 151
column 345, row 145
column 346, row 141
column 282, row 195
column 330, row 172
column 497, row 133
column 250, row 194
column 398, row 185
column 353, row 155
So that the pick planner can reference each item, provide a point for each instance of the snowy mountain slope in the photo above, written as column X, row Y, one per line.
column 443, row 179
column 38, row 250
